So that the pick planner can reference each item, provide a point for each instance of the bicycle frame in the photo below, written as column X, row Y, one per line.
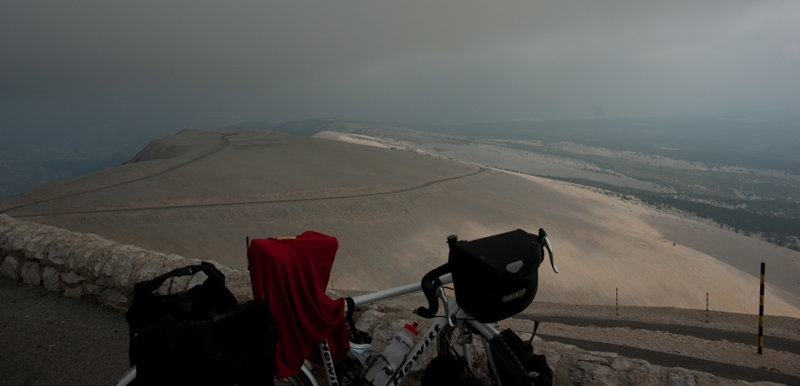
column 391, row 293
column 419, row 349
column 438, row 326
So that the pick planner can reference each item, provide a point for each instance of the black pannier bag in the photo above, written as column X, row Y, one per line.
column 496, row 277
column 201, row 336
column 237, row 347
column 535, row 365
column 449, row 370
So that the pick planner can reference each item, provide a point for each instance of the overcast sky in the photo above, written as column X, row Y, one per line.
column 428, row 61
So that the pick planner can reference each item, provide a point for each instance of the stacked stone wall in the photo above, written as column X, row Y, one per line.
column 86, row 265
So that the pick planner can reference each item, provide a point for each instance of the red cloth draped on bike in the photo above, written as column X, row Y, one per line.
column 291, row 275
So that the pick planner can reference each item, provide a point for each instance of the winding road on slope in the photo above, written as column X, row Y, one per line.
column 256, row 202
column 224, row 144
column 719, row 369
column 674, row 360
column 775, row 343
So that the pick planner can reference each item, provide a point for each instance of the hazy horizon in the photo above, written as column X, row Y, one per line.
column 93, row 80
column 156, row 65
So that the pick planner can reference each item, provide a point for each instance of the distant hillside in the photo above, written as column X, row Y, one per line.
column 32, row 157
column 251, row 125
column 740, row 173
column 763, row 144
column 17, row 176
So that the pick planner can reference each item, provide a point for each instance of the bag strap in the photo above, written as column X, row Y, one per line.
column 209, row 269
column 212, row 351
column 354, row 334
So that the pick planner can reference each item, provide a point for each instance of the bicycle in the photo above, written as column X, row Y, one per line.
column 452, row 333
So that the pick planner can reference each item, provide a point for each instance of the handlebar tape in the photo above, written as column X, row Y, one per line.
column 430, row 282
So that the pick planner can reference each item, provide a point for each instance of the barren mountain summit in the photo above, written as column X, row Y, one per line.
column 200, row 193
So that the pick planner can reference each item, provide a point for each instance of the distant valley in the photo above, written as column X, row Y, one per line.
column 744, row 175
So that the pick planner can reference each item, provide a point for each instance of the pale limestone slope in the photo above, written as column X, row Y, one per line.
column 392, row 210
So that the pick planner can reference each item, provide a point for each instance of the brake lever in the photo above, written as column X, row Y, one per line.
column 443, row 296
column 550, row 252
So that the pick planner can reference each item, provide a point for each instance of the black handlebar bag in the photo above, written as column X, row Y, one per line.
column 496, row 277
column 201, row 336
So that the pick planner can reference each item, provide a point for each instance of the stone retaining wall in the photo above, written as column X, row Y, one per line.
column 571, row 365
column 86, row 265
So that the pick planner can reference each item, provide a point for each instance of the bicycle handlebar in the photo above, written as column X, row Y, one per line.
column 430, row 282
column 546, row 241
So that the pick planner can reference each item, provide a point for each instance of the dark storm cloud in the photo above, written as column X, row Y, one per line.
column 440, row 62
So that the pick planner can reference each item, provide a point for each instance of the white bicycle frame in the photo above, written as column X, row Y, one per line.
column 451, row 310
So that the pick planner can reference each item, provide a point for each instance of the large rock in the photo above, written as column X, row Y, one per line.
column 9, row 241
column 638, row 378
column 92, row 289
column 173, row 262
column 51, row 279
column 37, row 251
column 125, row 267
column 24, row 245
column 179, row 284
column 164, row 288
column 10, row 268
column 7, row 223
column 226, row 271
column 583, row 373
column 197, row 279
column 30, row 273
column 27, row 250
column 34, row 248
column 59, row 249
column 238, row 282
column 646, row 367
column 621, row 364
column 114, row 299
column 71, row 278
column 681, row 377
column 149, row 266
column 115, row 254
column 82, row 256
column 587, row 357
column 368, row 318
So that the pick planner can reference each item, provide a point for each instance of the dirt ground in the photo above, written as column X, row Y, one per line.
column 52, row 340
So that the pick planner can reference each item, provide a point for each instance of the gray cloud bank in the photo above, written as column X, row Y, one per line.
column 215, row 62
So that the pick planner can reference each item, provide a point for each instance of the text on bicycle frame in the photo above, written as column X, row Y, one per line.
column 402, row 372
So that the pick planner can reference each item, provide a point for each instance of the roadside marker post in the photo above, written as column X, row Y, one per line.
column 706, row 307
column 617, row 301
column 761, row 313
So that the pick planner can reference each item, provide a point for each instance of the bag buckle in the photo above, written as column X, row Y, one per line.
column 185, row 271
